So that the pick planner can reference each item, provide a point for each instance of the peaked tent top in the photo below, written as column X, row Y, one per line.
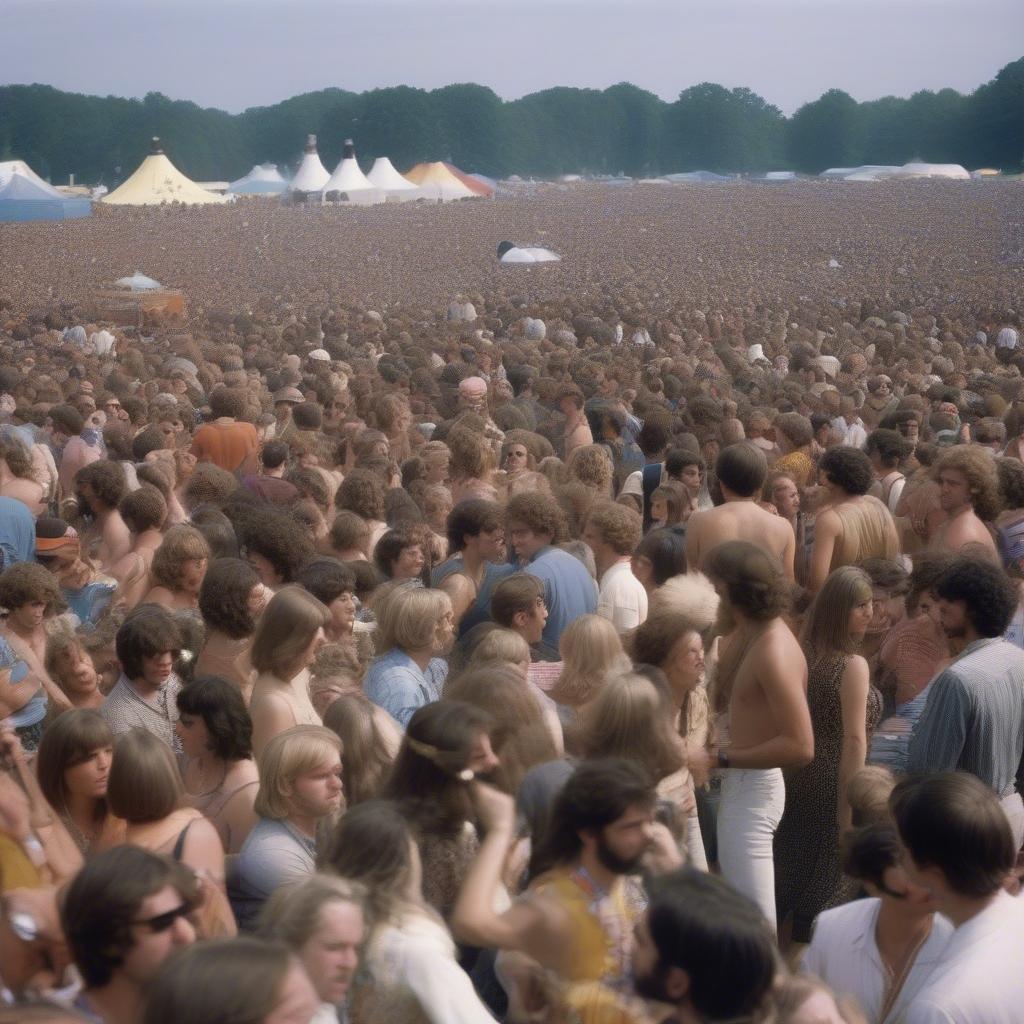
column 311, row 175
column 438, row 182
column 474, row 184
column 158, row 181
column 349, row 178
column 20, row 187
column 9, row 167
column 384, row 176
column 262, row 178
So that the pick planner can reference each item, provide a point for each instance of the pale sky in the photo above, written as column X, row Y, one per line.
column 235, row 54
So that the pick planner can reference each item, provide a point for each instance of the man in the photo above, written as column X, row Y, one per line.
column 532, row 522
column 858, row 949
column 741, row 470
column 269, row 484
column 285, row 399
column 227, row 442
column 762, row 689
column 973, row 720
column 100, row 486
column 958, row 846
column 123, row 915
column 969, row 495
column 576, row 433
column 518, row 604
column 652, row 442
column 848, row 425
column 71, row 448
column 612, row 532
column 146, row 694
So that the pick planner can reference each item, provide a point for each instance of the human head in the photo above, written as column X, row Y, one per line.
column 30, row 594
column 144, row 784
column 227, row 600
column 611, row 531
column 367, row 758
column 349, row 533
column 841, row 612
column 591, row 651
column 363, row 493
column 793, row 431
column 227, row 402
column 70, row 665
column 65, row 421
column 749, row 579
column 275, row 544
column 180, row 563
column 517, row 602
column 476, row 523
column 741, row 469
column 871, row 854
column 532, row 522
column 300, row 772
column 974, row 594
column 213, row 718
column 687, row 467
column 847, row 470
column 102, row 484
column 887, row 449
column 660, row 555
column 147, row 643
column 143, row 509
column 671, row 640
column 74, row 757
column 274, row 454
column 399, row 555
column 412, row 618
column 967, row 476
column 289, row 632
column 334, row 585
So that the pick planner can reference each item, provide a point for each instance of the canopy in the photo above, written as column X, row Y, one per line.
column 438, row 182
column 138, row 282
column 509, row 253
column 699, row 176
column 384, row 176
column 158, row 181
column 9, row 167
column 25, row 198
column 263, row 179
column 473, row 182
column 311, row 175
column 866, row 172
column 919, row 169
column 350, row 183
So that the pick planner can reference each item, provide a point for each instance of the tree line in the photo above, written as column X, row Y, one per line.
column 619, row 130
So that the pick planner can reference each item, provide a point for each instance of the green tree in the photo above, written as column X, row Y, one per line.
column 826, row 133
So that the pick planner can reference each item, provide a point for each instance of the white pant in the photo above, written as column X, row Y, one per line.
column 750, row 810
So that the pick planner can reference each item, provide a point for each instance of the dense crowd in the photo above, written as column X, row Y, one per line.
column 639, row 640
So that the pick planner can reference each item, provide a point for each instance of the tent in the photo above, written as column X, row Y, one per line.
column 437, row 182
column 349, row 183
column 697, row 176
column 919, row 169
column 138, row 282
column 396, row 188
column 311, row 175
column 509, row 253
column 866, row 172
column 778, row 176
column 263, row 179
column 158, row 181
column 9, row 167
column 474, row 182
column 23, row 198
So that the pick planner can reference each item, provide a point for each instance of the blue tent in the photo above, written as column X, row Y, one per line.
column 24, row 199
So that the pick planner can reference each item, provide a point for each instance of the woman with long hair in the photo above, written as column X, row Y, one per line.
column 219, row 774
column 368, row 758
column 288, row 636
column 660, row 556
column 178, row 568
column 73, row 767
column 845, row 708
column 410, row 972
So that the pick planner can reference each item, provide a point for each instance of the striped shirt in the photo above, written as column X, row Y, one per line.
column 974, row 718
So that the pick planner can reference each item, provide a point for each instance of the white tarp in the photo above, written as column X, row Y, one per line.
column 263, row 179
column 919, row 169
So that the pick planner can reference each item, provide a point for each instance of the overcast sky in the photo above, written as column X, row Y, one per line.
column 235, row 54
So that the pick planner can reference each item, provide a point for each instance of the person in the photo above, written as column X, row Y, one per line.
column 144, row 695
column 334, row 585
column 476, row 561
column 73, row 443
column 227, row 441
column 86, row 592
column 242, row 980
column 275, row 544
column 958, row 845
column 517, row 603
column 71, row 667
column 300, row 784
column 845, row 709
column 231, row 599
column 613, row 532
column 409, row 970
column 178, row 568
column 741, row 470
column 399, row 555
column 969, row 495
column 144, row 512
column 576, row 432
column 973, row 719
column 782, row 493
column 269, row 484
column 17, row 477
column 414, row 630
column 73, row 769
column 17, row 532
column 219, row 773
column 369, row 749
column 659, row 556
column 882, row 949
column 887, row 449
column 122, row 916
column 794, row 434
column 322, row 921
column 100, row 486
column 532, row 524
column 287, row 638
column 852, row 525
column 764, row 723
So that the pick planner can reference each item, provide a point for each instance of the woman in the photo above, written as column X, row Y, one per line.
column 232, row 981
column 322, row 921
column 659, row 556
column 18, row 478
column 144, row 788
column 73, row 768
column 445, row 744
column 178, row 569
column 362, row 492
column 671, row 504
column 287, row 638
column 399, row 555
column 592, row 466
column 368, row 752
column 220, row 775
column 85, row 590
column 231, row 599
column 845, row 708
column 71, row 667
column 411, row 973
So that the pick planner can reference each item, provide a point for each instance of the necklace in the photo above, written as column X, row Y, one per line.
column 83, row 840
column 898, row 978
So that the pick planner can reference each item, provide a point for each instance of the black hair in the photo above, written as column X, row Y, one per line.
column 742, row 468
column 848, row 468
column 326, row 579
column 868, row 852
column 471, row 517
column 148, row 630
column 223, row 711
column 989, row 594
column 665, row 549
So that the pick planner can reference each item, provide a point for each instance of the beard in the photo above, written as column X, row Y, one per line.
column 613, row 862
column 652, row 985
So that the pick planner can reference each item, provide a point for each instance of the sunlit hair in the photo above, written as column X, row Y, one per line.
column 675, row 497
column 409, row 617
column 294, row 752
column 286, row 629
column 293, row 913
column 979, row 468
column 754, row 581
column 500, row 646
column 591, row 652
column 591, row 464
column 27, row 582
column 691, row 595
column 367, row 761
column 181, row 543
column 70, row 739
column 827, row 629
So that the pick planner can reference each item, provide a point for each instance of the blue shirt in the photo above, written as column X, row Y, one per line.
column 480, row 610
column 569, row 590
column 17, row 533
column 397, row 684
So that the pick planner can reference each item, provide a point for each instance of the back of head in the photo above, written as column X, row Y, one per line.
column 990, row 597
column 742, row 469
column 754, row 582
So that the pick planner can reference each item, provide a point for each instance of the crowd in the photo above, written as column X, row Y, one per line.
column 529, row 662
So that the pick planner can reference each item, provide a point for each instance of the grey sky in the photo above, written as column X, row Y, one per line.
column 239, row 53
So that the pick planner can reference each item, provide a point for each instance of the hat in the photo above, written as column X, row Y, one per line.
column 755, row 352
column 288, row 394
column 321, row 355
column 473, row 387
column 53, row 534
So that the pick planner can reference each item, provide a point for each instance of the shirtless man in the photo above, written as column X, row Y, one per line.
column 969, row 495
column 100, row 487
column 764, row 722
column 144, row 512
column 741, row 470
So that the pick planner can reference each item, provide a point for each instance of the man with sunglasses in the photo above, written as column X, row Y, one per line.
column 123, row 915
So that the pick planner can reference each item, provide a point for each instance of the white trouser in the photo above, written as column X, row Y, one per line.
column 1013, row 807
column 750, row 810
column 695, row 854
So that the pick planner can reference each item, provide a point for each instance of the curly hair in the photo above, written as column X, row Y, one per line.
column 796, row 427
column 348, row 530
column 754, row 582
column 979, row 469
column 591, row 464
column 143, row 509
column 621, row 528
column 228, row 402
column 890, row 445
column 361, row 492
column 181, row 543
column 471, row 455
column 17, row 457
column 989, row 594
column 279, row 539
column 106, row 478
column 209, row 485
column 310, row 483
column 1011, row 482
column 538, row 512
column 26, row 582
column 847, row 468
column 221, row 707
column 224, row 597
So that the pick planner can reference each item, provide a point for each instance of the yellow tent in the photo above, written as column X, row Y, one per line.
column 158, row 181
column 436, row 181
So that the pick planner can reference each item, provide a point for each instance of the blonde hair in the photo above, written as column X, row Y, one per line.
column 144, row 783
column 286, row 629
column 408, row 617
column 827, row 630
column 591, row 464
column 288, row 755
column 868, row 793
column 500, row 645
column 292, row 914
column 180, row 544
column 591, row 652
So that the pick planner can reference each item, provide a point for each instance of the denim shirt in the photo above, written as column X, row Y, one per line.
column 397, row 684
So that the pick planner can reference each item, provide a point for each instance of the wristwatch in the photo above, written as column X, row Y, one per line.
column 723, row 758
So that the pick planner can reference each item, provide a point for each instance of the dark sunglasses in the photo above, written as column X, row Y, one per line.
column 161, row 922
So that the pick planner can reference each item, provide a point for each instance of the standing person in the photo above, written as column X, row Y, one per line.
column 660, row 556
column 969, row 495
column 178, row 568
column 957, row 844
column 845, row 708
column 741, row 470
column 71, row 448
column 576, row 432
column 532, row 524
column 887, row 449
column 782, row 492
column 880, row 950
column 973, row 720
column 764, row 724
column 517, row 603
column 269, row 484
column 613, row 532
column 227, row 442
column 99, row 487
column 144, row 512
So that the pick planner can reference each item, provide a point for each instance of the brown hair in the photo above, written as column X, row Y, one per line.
column 979, row 468
column 144, row 784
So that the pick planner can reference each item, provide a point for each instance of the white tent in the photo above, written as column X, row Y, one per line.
column 311, row 175
column 9, row 167
column 866, row 172
column 25, row 198
column 138, row 282
column 919, row 169
column 384, row 176
column 509, row 253
column 349, row 182
column 158, row 181
column 263, row 179
column 436, row 181
column 696, row 176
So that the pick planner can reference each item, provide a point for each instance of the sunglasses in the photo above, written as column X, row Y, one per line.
column 161, row 922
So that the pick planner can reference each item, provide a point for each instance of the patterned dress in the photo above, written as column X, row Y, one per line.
column 808, row 877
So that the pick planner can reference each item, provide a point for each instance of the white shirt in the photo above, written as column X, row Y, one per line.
column 979, row 978
column 1007, row 338
column 622, row 599
column 844, row 954
column 853, row 433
